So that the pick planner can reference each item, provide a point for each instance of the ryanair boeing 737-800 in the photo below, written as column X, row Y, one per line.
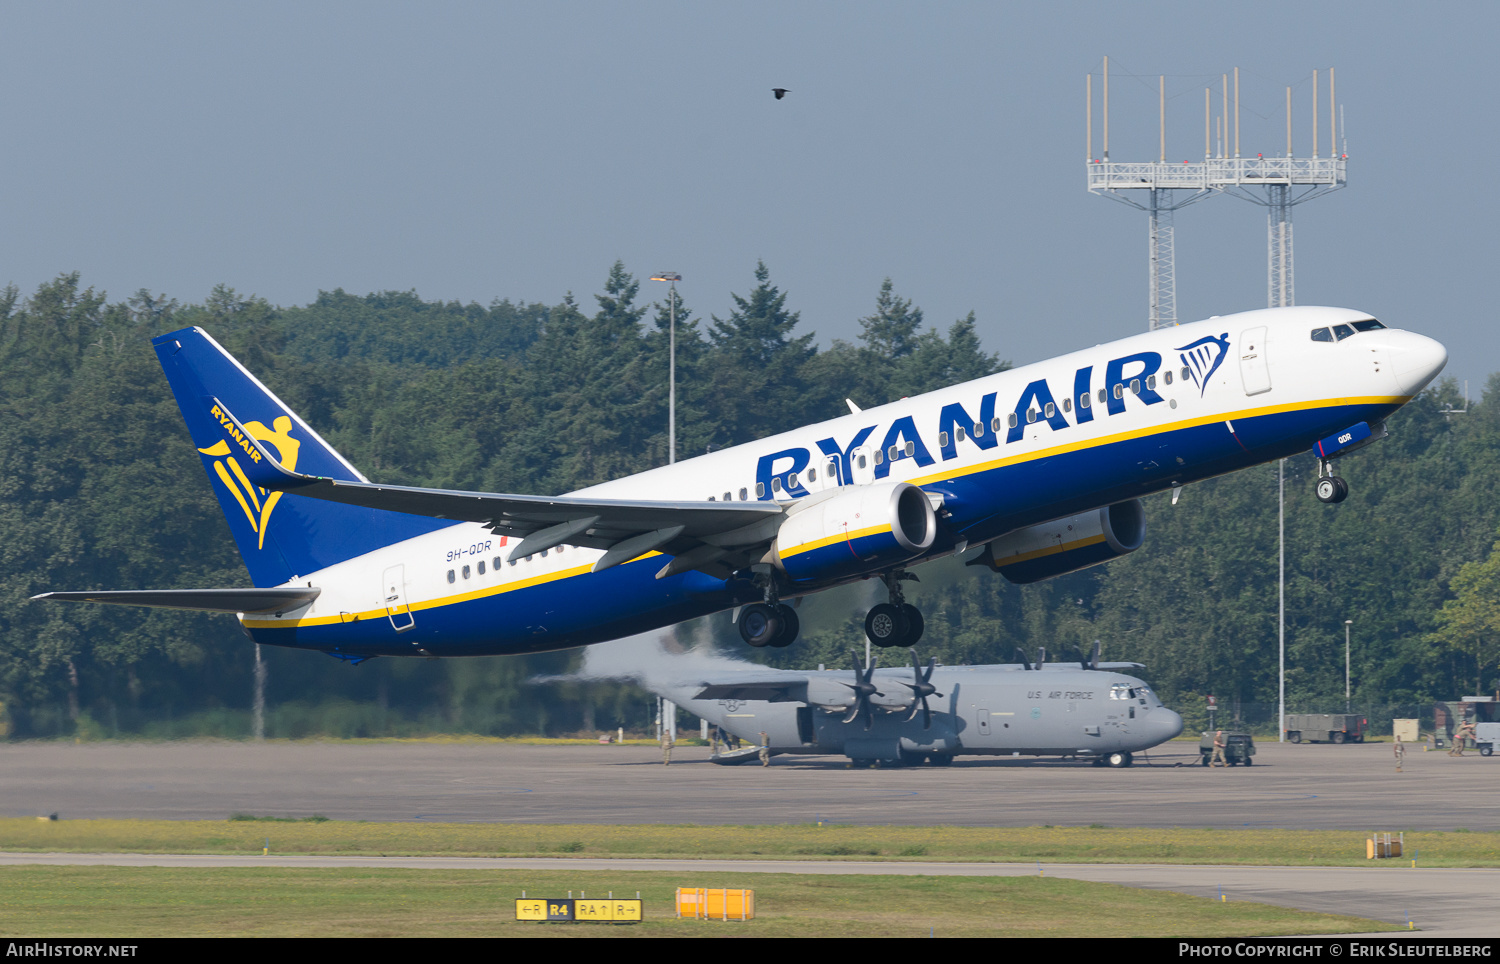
column 1039, row 468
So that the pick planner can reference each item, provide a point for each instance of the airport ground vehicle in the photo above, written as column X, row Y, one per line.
column 1325, row 728
column 1239, row 747
column 1486, row 735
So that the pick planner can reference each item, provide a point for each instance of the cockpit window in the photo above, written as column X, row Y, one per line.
column 1340, row 332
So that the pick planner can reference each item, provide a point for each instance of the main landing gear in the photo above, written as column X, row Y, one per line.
column 1330, row 489
column 768, row 623
column 896, row 623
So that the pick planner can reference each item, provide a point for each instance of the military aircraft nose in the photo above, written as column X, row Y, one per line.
column 1416, row 360
column 1169, row 722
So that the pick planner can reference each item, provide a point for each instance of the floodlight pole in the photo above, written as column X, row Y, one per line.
column 1347, row 624
column 672, row 277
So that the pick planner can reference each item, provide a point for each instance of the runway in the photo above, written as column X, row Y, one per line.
column 1307, row 786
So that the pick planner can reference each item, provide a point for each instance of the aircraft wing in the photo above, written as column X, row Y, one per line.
column 203, row 600
column 786, row 690
column 714, row 537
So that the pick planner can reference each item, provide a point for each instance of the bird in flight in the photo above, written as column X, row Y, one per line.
column 780, row 92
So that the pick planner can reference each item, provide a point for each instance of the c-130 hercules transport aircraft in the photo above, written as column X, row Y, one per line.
column 1040, row 467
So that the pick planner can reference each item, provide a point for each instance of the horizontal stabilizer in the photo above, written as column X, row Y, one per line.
column 202, row 600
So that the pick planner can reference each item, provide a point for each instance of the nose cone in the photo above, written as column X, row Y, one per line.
column 1416, row 360
column 1166, row 723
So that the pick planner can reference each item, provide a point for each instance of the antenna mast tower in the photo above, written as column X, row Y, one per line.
column 1278, row 183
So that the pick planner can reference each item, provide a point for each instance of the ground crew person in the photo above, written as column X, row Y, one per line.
column 1464, row 732
column 765, row 749
column 1400, row 752
column 666, row 747
column 1218, row 757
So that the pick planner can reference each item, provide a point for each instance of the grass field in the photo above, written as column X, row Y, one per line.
column 123, row 902
column 1005, row 844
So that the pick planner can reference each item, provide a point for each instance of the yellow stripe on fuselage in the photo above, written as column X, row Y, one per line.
column 1150, row 430
column 440, row 601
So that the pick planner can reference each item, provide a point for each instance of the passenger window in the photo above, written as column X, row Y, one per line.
column 481, row 567
column 1342, row 331
column 1151, row 382
column 979, row 430
column 451, row 578
column 861, row 461
column 1012, row 419
column 544, row 553
column 1185, row 374
column 879, row 456
column 495, row 563
column 1067, row 404
column 1168, row 374
column 958, row 433
column 995, row 423
column 776, row 485
column 760, row 490
column 911, row 449
column 1322, row 334
column 466, row 572
column 1119, row 391
column 1135, row 386
column 1050, row 410
column 791, row 481
column 942, row 439
column 1103, row 398
column 812, row 475
column 728, row 497
column 1085, row 400
column 710, row 498
column 894, row 453
column 743, row 493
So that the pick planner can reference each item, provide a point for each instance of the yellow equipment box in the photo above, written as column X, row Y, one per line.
column 716, row 903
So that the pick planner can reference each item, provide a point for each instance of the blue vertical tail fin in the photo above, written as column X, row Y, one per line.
column 280, row 536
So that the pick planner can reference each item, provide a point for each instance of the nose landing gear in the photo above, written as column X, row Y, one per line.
column 896, row 623
column 1330, row 489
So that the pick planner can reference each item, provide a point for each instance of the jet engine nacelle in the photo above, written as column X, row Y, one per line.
column 1067, row 545
column 857, row 529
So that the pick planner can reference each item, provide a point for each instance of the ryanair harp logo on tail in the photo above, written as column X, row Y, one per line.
column 256, row 502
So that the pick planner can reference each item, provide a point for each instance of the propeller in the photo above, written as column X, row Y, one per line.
column 863, row 690
column 1093, row 662
column 1025, row 663
column 921, row 688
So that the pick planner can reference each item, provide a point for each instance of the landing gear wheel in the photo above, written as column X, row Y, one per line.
column 1119, row 759
column 760, row 624
column 790, row 625
column 1331, row 489
column 946, row 759
column 914, row 624
column 886, row 625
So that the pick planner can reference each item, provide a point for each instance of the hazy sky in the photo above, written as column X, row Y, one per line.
column 479, row 150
